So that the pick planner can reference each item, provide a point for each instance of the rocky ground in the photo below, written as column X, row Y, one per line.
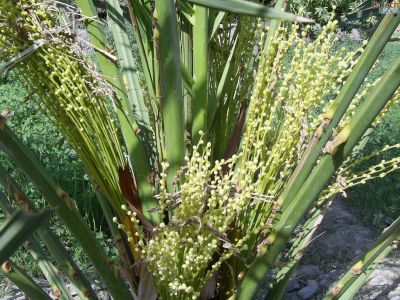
column 14, row 294
column 339, row 240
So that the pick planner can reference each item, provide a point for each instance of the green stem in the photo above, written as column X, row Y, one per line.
column 200, row 72
column 49, row 270
column 46, row 266
column 61, row 255
column 18, row 228
column 166, row 32
column 23, row 281
column 67, row 211
column 63, row 258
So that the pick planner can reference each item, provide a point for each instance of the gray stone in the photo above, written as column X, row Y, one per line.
column 307, row 272
column 332, row 275
column 292, row 296
column 83, row 40
column 394, row 295
column 103, row 295
column 355, row 35
column 379, row 280
column 308, row 291
column 293, row 285
column 325, row 284
column 338, row 213
column 342, row 240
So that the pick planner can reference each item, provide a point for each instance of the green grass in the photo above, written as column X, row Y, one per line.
column 378, row 201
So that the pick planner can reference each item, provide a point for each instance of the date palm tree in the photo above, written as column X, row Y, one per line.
column 207, row 149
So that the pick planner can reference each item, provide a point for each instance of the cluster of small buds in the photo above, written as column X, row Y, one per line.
column 392, row 102
column 296, row 79
column 348, row 177
column 63, row 87
column 178, row 257
column 211, row 197
column 376, row 171
column 358, row 98
column 349, row 166
column 164, row 199
column 139, row 234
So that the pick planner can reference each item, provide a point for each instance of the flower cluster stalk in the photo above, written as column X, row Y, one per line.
column 60, row 254
column 66, row 89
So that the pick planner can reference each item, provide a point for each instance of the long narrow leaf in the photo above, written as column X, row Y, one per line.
column 187, row 79
column 200, row 72
column 23, row 281
column 143, row 27
column 53, row 244
column 224, row 78
column 170, row 84
column 128, row 64
column 251, row 9
column 18, row 228
column 217, row 22
column 339, row 106
column 136, row 151
column 46, row 266
column 273, row 27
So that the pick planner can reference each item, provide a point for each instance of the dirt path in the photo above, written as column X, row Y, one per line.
column 340, row 240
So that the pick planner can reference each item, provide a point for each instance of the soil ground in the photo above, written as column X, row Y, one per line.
column 339, row 241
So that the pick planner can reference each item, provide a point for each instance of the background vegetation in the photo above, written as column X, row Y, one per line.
column 348, row 12
column 378, row 200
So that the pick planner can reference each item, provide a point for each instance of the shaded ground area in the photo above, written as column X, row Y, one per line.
column 340, row 239
column 13, row 293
